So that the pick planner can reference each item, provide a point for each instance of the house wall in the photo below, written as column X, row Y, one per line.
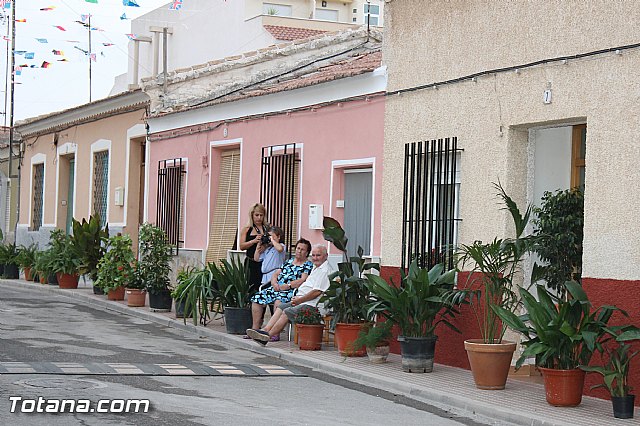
column 352, row 131
column 113, row 132
column 492, row 116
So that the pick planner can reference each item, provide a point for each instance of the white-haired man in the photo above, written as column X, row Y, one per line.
column 308, row 294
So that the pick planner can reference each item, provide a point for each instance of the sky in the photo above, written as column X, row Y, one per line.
column 64, row 84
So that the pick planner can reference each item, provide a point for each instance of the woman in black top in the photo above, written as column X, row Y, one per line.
column 249, row 237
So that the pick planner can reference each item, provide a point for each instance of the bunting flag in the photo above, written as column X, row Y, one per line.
column 107, row 44
column 131, row 3
column 91, row 1
column 5, row 3
column 46, row 9
column 45, row 64
column 72, row 41
column 59, row 27
column 24, row 65
column 123, row 17
column 20, row 52
column 42, row 40
column 92, row 57
column 57, row 52
column 21, row 20
column 132, row 36
column 18, row 70
column 29, row 55
column 176, row 5
column 84, row 24
column 5, row 38
column 84, row 18
column 63, row 60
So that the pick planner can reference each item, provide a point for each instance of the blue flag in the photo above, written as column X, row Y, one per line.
column 130, row 3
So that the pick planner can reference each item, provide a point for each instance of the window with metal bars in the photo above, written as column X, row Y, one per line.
column 100, row 185
column 430, row 202
column 38, row 196
column 170, row 206
column 280, row 188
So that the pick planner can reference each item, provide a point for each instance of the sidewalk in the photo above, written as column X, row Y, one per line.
column 522, row 402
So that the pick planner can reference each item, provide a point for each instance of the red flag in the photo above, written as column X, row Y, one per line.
column 45, row 64
column 60, row 28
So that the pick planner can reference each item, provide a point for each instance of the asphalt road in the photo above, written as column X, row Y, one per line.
column 52, row 347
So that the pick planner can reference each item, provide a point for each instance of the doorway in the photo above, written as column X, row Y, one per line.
column 358, row 186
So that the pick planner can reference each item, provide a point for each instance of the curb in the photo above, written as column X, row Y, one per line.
column 456, row 404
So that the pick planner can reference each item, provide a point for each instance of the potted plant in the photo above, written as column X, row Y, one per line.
column 421, row 302
column 309, row 328
column 562, row 334
column 9, row 257
column 115, row 269
column 615, row 372
column 348, row 296
column 490, row 285
column 26, row 259
column 192, row 293
column 89, row 239
column 153, row 267
column 42, row 265
column 376, row 339
column 136, row 289
column 64, row 259
column 231, row 290
column 559, row 227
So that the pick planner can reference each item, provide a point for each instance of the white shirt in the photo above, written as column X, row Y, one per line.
column 318, row 279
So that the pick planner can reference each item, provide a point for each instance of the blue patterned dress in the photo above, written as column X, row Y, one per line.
column 290, row 272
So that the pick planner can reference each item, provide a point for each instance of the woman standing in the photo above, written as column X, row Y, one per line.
column 249, row 237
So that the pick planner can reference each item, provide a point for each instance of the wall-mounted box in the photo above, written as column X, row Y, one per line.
column 316, row 215
column 119, row 196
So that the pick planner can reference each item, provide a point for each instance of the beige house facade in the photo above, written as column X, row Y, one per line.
column 83, row 161
column 539, row 96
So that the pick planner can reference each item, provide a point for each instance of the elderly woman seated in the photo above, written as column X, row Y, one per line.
column 284, row 283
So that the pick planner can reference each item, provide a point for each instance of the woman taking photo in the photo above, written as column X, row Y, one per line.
column 249, row 238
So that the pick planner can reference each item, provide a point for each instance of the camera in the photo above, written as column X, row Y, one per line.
column 265, row 239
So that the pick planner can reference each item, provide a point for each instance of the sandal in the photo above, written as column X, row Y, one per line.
column 246, row 337
column 275, row 338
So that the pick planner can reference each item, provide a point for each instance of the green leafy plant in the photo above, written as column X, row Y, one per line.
column 347, row 296
column 373, row 336
column 615, row 372
column 8, row 254
column 115, row 269
column 89, row 239
column 64, row 257
column 421, row 301
column 230, row 283
column 27, row 256
column 495, row 264
column 155, row 255
column 136, row 281
column 42, row 263
column 559, row 222
column 194, row 288
column 560, row 334
column 308, row 315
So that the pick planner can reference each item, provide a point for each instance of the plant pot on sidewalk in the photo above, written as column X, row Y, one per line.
column 623, row 406
column 97, row 290
column 116, row 293
column 27, row 274
column 11, row 271
column 417, row 353
column 309, row 336
column 160, row 301
column 136, row 298
column 67, row 281
column 344, row 337
column 237, row 320
column 52, row 279
column 490, row 362
column 563, row 387
column 378, row 354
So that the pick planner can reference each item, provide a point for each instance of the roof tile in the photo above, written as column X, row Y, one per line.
column 290, row 33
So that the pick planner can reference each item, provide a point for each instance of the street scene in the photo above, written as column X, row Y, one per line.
column 320, row 211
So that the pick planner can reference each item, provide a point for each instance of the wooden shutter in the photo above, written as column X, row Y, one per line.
column 224, row 222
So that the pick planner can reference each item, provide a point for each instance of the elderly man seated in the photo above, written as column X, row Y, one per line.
column 308, row 294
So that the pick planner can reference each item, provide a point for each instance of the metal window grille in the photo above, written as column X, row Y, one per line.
column 100, row 185
column 170, row 207
column 38, row 196
column 430, row 197
column 279, row 189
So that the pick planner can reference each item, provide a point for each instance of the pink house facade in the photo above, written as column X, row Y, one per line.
column 306, row 144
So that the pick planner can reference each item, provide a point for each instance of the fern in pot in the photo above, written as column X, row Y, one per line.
column 153, row 268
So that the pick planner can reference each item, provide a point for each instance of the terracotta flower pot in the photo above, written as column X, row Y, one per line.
column 378, row 355
column 345, row 335
column 27, row 274
column 116, row 294
column 67, row 281
column 489, row 362
column 136, row 297
column 563, row 387
column 309, row 336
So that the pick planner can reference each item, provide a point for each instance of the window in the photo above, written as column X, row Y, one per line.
column 170, row 207
column 327, row 15
column 578, row 155
column 224, row 223
column 38, row 196
column 100, row 185
column 430, row 202
column 277, row 9
column 371, row 14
